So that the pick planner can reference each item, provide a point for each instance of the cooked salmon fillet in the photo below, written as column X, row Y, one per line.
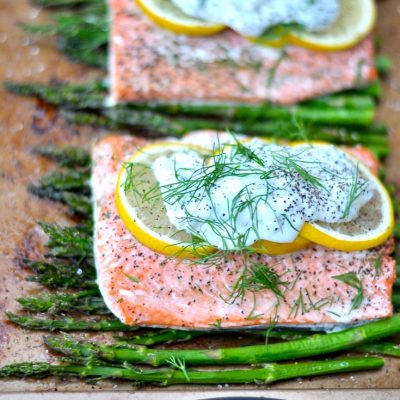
column 149, row 63
column 182, row 294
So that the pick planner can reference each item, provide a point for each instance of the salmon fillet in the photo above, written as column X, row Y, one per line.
column 179, row 293
column 149, row 63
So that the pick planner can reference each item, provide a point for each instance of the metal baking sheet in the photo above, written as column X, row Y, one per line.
column 25, row 122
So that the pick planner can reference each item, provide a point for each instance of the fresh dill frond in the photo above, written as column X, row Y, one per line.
column 217, row 324
column 274, row 69
column 241, row 149
column 293, row 164
column 254, row 278
column 356, row 189
column 352, row 279
column 179, row 364
column 378, row 264
column 304, row 303
column 132, row 278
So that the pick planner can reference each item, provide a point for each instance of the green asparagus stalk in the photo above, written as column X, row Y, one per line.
column 93, row 96
column 373, row 89
column 386, row 349
column 179, row 126
column 64, row 3
column 383, row 64
column 78, row 203
column 310, row 346
column 62, row 275
column 60, row 280
column 71, row 242
column 396, row 231
column 336, row 110
column 89, row 96
column 87, row 118
column 70, row 180
column 172, row 335
column 252, row 112
column 82, row 35
column 342, row 100
column 87, row 301
column 285, row 130
column 65, row 156
column 69, row 324
column 396, row 298
column 162, row 336
column 268, row 374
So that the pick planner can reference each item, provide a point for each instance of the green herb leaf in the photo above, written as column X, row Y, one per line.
column 132, row 278
column 378, row 264
column 352, row 279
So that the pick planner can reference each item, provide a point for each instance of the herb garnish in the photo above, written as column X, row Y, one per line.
column 273, row 70
column 378, row 264
column 256, row 277
column 132, row 278
column 356, row 189
column 179, row 364
column 352, row 279
column 306, row 304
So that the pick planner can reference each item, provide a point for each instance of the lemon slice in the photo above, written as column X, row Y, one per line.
column 275, row 249
column 170, row 17
column 140, row 205
column 356, row 20
column 372, row 227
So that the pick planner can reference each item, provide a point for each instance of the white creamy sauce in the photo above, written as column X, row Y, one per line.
column 259, row 191
column 253, row 17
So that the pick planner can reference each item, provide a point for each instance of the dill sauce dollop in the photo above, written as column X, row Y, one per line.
column 253, row 17
column 259, row 190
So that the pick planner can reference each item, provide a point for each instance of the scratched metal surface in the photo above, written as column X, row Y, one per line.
column 25, row 123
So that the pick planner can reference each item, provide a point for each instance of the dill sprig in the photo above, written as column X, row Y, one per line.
column 304, row 303
column 357, row 187
column 180, row 365
column 254, row 278
column 352, row 279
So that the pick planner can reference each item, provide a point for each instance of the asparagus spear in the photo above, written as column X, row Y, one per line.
column 74, row 180
column 387, row 349
column 179, row 126
column 310, row 346
column 75, row 242
column 396, row 298
column 243, row 112
column 325, row 110
column 78, row 203
column 173, row 335
column 88, row 301
column 64, row 3
column 89, row 96
column 65, row 156
column 82, row 35
column 68, row 324
column 373, row 89
column 64, row 275
column 268, row 374
column 277, row 129
column 383, row 64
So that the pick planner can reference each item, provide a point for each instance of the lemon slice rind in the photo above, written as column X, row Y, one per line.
column 373, row 226
column 165, row 239
column 356, row 20
column 168, row 16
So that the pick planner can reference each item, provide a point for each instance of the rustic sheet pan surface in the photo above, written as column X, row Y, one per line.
column 25, row 123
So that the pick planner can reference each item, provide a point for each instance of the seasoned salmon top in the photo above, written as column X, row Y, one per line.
column 146, row 288
column 148, row 63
